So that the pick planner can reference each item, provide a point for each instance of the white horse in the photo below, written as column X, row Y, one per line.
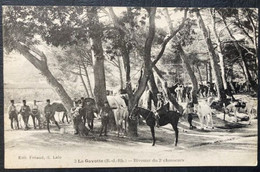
column 204, row 112
column 120, row 112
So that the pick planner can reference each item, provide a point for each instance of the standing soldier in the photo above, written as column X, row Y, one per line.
column 189, row 111
column 90, row 110
column 13, row 114
column 25, row 112
column 49, row 114
column 76, row 117
column 36, row 114
column 105, row 113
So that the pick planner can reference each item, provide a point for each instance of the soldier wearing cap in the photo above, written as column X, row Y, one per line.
column 105, row 113
column 12, row 112
column 25, row 112
column 49, row 114
column 160, row 104
column 35, row 114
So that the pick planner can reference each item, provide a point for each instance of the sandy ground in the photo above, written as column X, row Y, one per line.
column 226, row 144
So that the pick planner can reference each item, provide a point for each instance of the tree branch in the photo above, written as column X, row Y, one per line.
column 172, row 34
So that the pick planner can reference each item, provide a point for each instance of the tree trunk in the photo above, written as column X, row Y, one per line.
column 87, row 76
column 191, row 74
column 83, row 82
column 248, row 76
column 207, row 72
column 220, row 52
column 41, row 65
column 120, row 73
column 210, row 72
column 213, row 59
column 154, row 89
column 95, row 34
column 201, row 81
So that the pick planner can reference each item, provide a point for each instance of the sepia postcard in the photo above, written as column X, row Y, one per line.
column 91, row 87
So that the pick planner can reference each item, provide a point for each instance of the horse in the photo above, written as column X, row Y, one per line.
column 59, row 107
column 120, row 111
column 203, row 89
column 172, row 89
column 87, row 111
column 166, row 117
column 204, row 113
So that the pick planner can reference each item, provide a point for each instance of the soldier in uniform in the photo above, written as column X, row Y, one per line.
column 90, row 110
column 105, row 113
column 49, row 114
column 189, row 111
column 36, row 114
column 75, row 111
column 160, row 104
column 13, row 114
column 25, row 112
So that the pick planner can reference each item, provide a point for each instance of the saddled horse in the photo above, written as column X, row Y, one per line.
column 87, row 111
column 59, row 107
column 166, row 117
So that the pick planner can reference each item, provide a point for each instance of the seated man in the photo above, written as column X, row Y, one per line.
column 160, row 104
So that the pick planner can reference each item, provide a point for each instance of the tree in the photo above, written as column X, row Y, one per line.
column 248, row 76
column 213, row 58
column 19, row 36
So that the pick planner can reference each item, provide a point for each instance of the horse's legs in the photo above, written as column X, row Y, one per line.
column 175, row 128
column 153, row 134
column 34, row 125
column 56, row 124
column 92, row 124
column 201, row 118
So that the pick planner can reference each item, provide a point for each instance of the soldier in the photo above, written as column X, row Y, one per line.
column 75, row 111
column 49, row 114
column 25, row 112
column 189, row 111
column 13, row 114
column 105, row 113
column 160, row 104
column 36, row 114
column 90, row 110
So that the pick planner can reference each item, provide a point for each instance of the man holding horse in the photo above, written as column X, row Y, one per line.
column 49, row 114
column 12, row 112
column 25, row 112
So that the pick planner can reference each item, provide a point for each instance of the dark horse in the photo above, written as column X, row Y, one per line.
column 166, row 117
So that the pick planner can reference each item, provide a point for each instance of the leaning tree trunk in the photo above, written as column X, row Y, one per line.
column 192, row 76
column 95, row 34
column 213, row 59
column 42, row 66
